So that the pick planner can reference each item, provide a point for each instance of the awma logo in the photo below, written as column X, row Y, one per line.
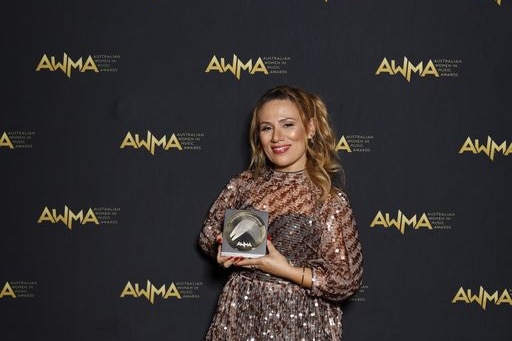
column 5, row 141
column 482, row 298
column 237, row 66
column 150, row 291
column 68, row 217
column 66, row 65
column 489, row 148
column 406, row 69
column 401, row 221
column 150, row 142
column 7, row 291
column 343, row 145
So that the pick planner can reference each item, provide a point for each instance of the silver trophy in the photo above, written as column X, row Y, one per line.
column 245, row 233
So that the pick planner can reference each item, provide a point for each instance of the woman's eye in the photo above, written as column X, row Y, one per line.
column 265, row 128
column 288, row 125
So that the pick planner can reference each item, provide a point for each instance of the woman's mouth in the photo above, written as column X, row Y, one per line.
column 280, row 149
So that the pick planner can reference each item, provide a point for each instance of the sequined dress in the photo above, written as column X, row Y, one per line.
column 256, row 306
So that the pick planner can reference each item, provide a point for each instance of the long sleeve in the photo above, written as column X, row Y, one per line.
column 213, row 223
column 337, row 272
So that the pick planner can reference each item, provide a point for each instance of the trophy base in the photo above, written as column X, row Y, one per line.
column 241, row 254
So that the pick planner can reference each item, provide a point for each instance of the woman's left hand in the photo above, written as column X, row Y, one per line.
column 273, row 262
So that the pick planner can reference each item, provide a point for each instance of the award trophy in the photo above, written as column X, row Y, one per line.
column 245, row 233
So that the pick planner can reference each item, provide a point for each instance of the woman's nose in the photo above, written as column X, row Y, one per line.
column 276, row 135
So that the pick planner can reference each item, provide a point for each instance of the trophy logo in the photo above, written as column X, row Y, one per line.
column 245, row 233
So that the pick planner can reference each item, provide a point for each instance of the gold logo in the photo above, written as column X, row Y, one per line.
column 5, row 141
column 343, row 145
column 51, row 216
column 151, row 142
column 482, row 298
column 236, row 66
column 67, row 64
column 354, row 143
column 7, row 291
column 150, row 291
column 407, row 68
column 489, row 148
column 401, row 221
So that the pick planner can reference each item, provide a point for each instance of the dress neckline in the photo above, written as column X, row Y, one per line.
column 297, row 176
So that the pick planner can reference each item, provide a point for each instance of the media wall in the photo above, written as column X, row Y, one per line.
column 121, row 121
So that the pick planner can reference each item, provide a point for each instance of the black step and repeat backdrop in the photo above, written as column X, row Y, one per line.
column 122, row 120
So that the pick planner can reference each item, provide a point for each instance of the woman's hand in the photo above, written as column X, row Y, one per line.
column 224, row 261
column 273, row 263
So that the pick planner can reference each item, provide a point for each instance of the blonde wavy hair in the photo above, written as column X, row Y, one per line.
column 322, row 163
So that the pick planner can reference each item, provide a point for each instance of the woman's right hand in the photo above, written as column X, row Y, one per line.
column 224, row 261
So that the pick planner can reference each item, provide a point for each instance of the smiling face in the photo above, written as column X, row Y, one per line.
column 283, row 136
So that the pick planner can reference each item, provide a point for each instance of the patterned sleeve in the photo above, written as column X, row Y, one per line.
column 214, row 222
column 337, row 273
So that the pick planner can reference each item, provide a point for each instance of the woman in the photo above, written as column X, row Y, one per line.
column 314, row 258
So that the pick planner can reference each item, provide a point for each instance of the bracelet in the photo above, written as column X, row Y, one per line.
column 302, row 281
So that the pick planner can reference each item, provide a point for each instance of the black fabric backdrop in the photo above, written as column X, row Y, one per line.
column 432, row 203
